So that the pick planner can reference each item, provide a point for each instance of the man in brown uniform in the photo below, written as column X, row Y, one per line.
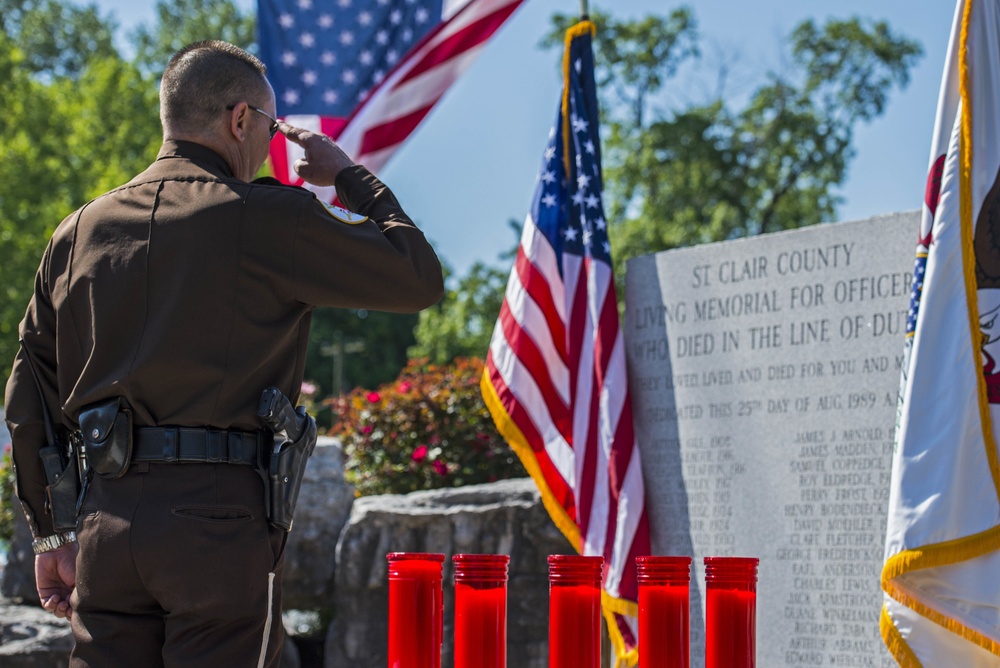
column 186, row 292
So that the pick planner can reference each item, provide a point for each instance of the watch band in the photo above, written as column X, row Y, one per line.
column 49, row 543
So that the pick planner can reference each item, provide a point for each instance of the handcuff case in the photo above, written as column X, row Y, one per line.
column 106, row 429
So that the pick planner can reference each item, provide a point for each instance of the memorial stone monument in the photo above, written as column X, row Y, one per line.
column 765, row 381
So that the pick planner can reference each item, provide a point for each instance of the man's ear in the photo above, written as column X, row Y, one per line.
column 239, row 119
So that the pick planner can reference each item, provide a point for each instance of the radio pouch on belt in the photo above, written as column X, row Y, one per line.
column 59, row 462
column 295, row 439
column 106, row 429
column 63, row 486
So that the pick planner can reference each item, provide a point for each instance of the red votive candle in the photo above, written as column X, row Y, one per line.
column 480, row 610
column 730, row 612
column 664, row 611
column 416, row 609
column 575, row 611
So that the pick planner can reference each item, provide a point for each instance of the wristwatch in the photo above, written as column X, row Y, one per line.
column 55, row 541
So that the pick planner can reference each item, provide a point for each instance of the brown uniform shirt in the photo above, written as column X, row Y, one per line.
column 187, row 292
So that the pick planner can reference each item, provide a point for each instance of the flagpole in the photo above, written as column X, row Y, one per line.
column 584, row 14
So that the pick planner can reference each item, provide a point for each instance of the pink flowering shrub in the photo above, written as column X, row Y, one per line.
column 427, row 429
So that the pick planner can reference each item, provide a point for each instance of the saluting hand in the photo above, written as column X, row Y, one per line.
column 55, row 578
column 323, row 159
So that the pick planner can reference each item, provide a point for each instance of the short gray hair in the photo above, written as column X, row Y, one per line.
column 203, row 78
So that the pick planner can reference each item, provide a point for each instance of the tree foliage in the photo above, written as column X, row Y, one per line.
column 634, row 59
column 372, row 346
column 461, row 324
column 722, row 169
column 7, row 512
column 182, row 22
column 75, row 123
column 57, row 39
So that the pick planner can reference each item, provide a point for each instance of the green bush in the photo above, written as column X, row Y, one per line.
column 427, row 429
column 7, row 499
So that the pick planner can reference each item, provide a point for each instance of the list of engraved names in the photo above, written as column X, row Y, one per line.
column 765, row 378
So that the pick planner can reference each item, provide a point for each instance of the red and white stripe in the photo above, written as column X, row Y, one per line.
column 557, row 363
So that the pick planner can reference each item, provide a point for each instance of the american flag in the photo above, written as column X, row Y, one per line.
column 366, row 72
column 555, row 379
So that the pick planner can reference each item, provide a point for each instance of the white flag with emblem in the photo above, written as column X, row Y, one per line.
column 942, row 565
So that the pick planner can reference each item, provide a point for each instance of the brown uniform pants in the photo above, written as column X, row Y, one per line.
column 177, row 568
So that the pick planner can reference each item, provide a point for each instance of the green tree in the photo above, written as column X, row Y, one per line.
column 29, row 206
column 372, row 344
column 461, row 324
column 75, row 124
column 634, row 58
column 57, row 39
column 181, row 22
column 112, row 127
column 717, row 171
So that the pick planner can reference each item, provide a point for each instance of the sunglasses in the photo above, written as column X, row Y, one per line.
column 273, row 129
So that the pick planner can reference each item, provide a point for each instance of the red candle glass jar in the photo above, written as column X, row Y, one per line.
column 416, row 609
column 575, row 611
column 480, row 610
column 730, row 612
column 664, row 611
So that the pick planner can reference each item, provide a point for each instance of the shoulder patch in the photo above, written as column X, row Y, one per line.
column 343, row 215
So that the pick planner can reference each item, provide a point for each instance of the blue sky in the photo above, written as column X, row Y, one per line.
column 472, row 164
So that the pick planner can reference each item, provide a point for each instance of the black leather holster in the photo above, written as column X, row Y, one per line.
column 294, row 441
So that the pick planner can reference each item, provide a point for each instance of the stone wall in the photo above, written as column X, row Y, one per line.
column 325, row 501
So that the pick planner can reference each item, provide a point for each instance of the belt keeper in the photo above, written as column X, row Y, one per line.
column 262, row 448
column 213, row 446
column 236, row 455
column 170, row 444
column 249, row 449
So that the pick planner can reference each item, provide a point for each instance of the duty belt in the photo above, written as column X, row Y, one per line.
column 192, row 445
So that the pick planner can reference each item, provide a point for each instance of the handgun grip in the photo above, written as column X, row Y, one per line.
column 277, row 413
